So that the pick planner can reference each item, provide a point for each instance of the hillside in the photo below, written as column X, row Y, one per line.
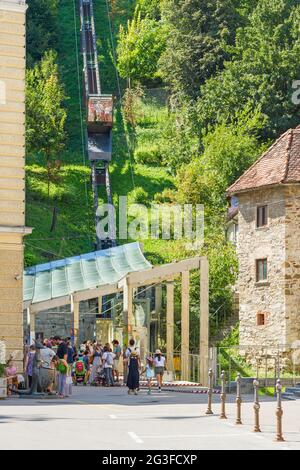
column 70, row 193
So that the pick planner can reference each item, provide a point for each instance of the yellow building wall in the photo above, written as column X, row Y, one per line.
column 12, row 174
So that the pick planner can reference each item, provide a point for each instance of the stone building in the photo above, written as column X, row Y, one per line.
column 12, row 173
column 269, row 245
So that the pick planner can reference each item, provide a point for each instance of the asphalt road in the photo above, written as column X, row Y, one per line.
column 109, row 419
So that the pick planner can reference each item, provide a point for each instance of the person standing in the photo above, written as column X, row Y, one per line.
column 96, row 362
column 149, row 373
column 62, row 354
column 61, row 366
column 108, row 361
column 29, row 364
column 159, row 365
column 133, row 379
column 117, row 352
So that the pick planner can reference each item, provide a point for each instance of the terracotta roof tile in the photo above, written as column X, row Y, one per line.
column 280, row 164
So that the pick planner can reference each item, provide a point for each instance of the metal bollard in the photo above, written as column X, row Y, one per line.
column 256, row 406
column 210, row 392
column 223, row 396
column 238, row 400
column 279, row 413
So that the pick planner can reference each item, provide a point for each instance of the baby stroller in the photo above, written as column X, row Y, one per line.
column 99, row 380
column 79, row 372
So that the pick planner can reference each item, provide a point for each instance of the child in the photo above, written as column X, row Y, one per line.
column 149, row 373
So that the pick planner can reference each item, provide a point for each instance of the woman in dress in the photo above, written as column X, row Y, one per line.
column 133, row 379
column 96, row 362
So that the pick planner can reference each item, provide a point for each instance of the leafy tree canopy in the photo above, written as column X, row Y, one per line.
column 139, row 48
column 265, row 63
column 198, row 32
column 41, row 28
column 46, row 115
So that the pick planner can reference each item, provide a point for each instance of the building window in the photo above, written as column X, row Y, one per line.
column 262, row 216
column 260, row 319
column 261, row 270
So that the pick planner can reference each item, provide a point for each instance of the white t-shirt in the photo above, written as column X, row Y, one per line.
column 104, row 358
column 159, row 363
column 130, row 350
column 46, row 356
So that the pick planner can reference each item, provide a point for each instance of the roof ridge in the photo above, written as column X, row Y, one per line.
column 259, row 159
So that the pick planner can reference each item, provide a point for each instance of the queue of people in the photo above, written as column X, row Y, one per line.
column 95, row 364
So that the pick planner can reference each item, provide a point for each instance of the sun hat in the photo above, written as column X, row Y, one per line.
column 158, row 351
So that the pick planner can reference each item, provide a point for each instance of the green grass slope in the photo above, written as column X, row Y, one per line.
column 71, row 192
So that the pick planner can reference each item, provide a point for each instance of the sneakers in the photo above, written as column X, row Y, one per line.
column 159, row 389
column 135, row 392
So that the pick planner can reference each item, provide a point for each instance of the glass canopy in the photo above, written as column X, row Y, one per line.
column 89, row 271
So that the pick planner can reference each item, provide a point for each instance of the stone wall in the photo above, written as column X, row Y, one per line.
column 292, row 265
column 268, row 242
column 12, row 174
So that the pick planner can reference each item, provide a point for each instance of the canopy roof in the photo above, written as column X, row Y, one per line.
column 65, row 277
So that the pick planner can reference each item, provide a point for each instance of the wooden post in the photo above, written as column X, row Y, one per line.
column 204, row 320
column 128, row 312
column 170, row 326
column 158, row 308
column 185, row 324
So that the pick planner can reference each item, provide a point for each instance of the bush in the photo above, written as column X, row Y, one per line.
column 148, row 155
column 138, row 196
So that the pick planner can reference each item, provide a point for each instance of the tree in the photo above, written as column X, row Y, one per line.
column 45, row 113
column 150, row 8
column 41, row 28
column 139, row 48
column 198, row 31
column 228, row 150
column 265, row 63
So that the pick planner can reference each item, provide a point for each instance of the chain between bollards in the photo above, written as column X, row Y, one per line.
column 279, row 412
column 223, row 396
column 210, row 392
column 256, row 406
column 238, row 400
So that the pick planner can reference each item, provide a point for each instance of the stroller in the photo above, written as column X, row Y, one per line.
column 99, row 380
column 79, row 372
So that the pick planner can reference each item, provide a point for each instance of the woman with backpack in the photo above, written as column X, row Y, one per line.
column 108, row 362
column 133, row 379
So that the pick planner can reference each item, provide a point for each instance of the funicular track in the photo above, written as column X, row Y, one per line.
column 99, row 115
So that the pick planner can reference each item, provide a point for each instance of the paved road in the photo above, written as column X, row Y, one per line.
column 97, row 418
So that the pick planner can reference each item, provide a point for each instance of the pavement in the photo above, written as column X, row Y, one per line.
column 110, row 419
